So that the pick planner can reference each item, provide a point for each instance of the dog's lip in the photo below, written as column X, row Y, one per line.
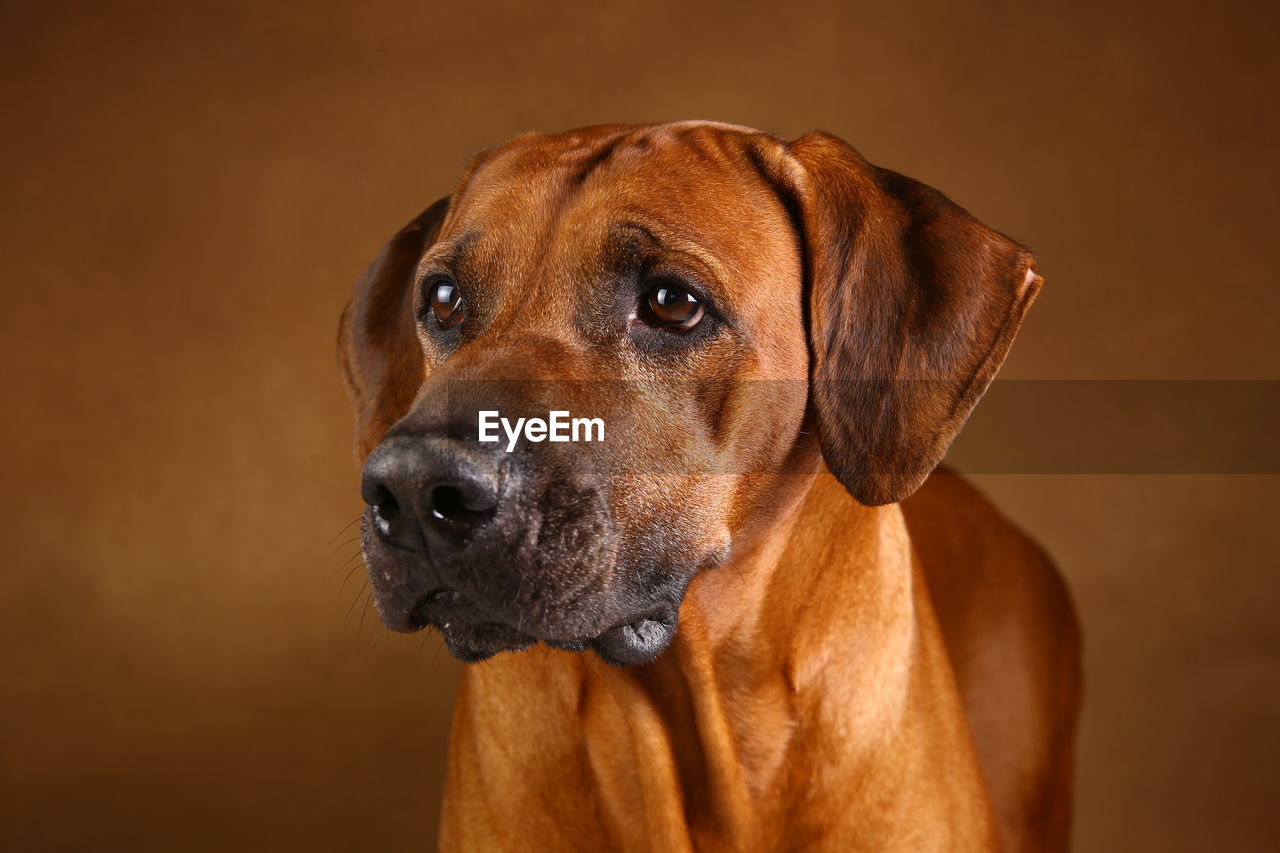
column 427, row 609
column 661, row 616
column 639, row 641
column 636, row 640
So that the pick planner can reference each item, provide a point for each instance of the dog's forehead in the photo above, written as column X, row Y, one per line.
column 693, row 185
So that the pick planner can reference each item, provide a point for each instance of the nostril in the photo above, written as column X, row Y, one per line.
column 446, row 502
column 386, row 509
column 449, row 504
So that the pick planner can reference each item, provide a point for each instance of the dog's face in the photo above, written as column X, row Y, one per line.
column 681, row 285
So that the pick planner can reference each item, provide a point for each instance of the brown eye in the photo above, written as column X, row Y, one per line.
column 446, row 304
column 674, row 307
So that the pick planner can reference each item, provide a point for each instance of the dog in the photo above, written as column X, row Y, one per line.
column 748, row 618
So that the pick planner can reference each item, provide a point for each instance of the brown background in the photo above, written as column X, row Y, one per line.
column 190, row 191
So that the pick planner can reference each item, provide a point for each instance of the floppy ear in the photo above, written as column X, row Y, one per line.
column 377, row 342
column 913, row 305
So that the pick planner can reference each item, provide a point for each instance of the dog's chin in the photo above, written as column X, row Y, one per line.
column 472, row 638
column 474, row 643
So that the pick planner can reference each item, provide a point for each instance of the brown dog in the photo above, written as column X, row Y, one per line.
column 780, row 340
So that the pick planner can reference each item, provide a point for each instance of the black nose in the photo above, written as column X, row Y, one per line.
column 433, row 490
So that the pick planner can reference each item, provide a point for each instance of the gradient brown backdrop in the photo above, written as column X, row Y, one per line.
column 190, row 190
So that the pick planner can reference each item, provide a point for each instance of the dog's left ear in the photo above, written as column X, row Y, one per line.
column 378, row 349
column 913, row 304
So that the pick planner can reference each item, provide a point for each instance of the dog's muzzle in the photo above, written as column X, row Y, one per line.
column 499, row 553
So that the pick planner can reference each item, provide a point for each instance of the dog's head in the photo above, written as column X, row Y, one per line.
column 725, row 304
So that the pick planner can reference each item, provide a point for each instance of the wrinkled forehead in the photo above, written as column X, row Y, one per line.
column 692, row 188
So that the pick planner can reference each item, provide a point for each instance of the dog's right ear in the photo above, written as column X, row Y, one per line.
column 912, row 306
column 378, row 349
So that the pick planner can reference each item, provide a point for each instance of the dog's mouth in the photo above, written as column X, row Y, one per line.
column 470, row 637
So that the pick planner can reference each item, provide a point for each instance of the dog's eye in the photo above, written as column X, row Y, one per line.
column 447, row 304
column 674, row 307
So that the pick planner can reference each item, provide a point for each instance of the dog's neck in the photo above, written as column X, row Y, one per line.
column 721, row 719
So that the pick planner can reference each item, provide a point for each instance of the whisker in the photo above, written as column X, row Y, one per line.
column 354, row 569
column 347, row 561
column 346, row 528
column 364, row 610
column 335, row 551
column 352, row 608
